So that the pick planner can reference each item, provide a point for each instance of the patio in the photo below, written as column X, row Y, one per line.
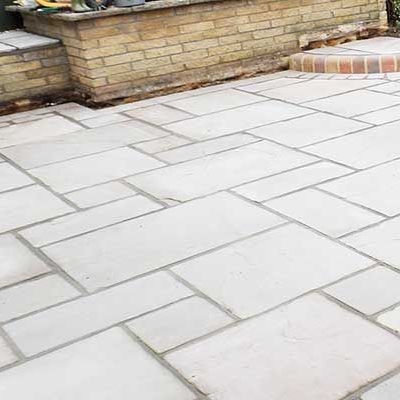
column 238, row 241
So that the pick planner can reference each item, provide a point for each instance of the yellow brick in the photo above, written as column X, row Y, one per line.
column 268, row 33
column 291, row 12
column 107, row 71
column 266, row 16
column 218, row 14
column 146, row 44
column 205, row 62
column 280, row 5
column 123, row 58
column 98, row 33
column 160, row 33
column 231, row 21
column 216, row 33
column 167, row 69
column 133, row 75
column 253, row 9
column 182, row 20
column 19, row 67
column 153, row 63
column 189, row 56
column 31, row 83
column 163, row 51
column 254, row 26
column 317, row 16
column 43, row 72
column 92, row 82
column 242, row 37
column 290, row 37
column 201, row 26
column 286, row 21
column 201, row 44
column 323, row 7
column 119, row 39
column 185, row 38
column 10, row 59
column 61, row 78
column 254, row 44
column 94, row 63
column 21, row 76
column 79, row 44
column 225, row 49
column 238, row 55
column 346, row 11
column 102, row 52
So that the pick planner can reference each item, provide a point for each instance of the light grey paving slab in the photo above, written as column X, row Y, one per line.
column 236, row 120
column 218, row 172
column 30, row 117
column 355, row 103
column 11, row 178
column 77, row 112
column 102, row 120
column 100, row 194
column 370, row 291
column 377, row 188
column 85, row 221
column 6, row 355
column 178, row 323
column 159, row 114
column 378, row 45
column 262, row 272
column 161, row 145
column 314, row 89
column 34, row 295
column 84, row 142
column 309, row 129
column 391, row 319
column 305, row 342
column 286, row 182
column 323, row 212
column 326, row 50
column 215, row 101
column 363, row 149
column 381, row 116
column 91, row 170
column 198, row 150
column 17, row 262
column 5, row 48
column 85, row 315
column 387, row 390
column 12, row 34
column 36, row 130
column 105, row 366
column 154, row 241
column 27, row 206
column 390, row 87
column 380, row 241
column 269, row 84
column 29, row 40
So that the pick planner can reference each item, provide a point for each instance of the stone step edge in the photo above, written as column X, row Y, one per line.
column 345, row 64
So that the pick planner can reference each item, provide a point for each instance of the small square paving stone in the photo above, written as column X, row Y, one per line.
column 391, row 319
column 178, row 323
column 29, row 205
column 236, row 120
column 17, row 262
column 381, row 116
column 33, row 295
column 266, row 270
column 164, row 144
column 309, row 129
column 11, row 178
column 370, row 291
column 355, row 103
column 131, row 248
column 310, row 346
column 387, row 390
column 91, row 170
column 159, row 114
column 107, row 366
column 376, row 188
column 6, row 355
column 77, row 318
column 323, row 212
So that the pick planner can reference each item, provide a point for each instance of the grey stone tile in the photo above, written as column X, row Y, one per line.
column 391, row 319
column 27, row 206
column 6, row 355
column 377, row 188
column 381, row 116
column 269, row 84
column 5, row 48
column 158, row 114
column 363, row 149
column 12, row 34
column 91, row 170
column 178, row 323
column 154, row 241
column 11, row 178
column 305, row 342
column 76, row 111
column 102, row 120
column 29, row 40
column 323, row 212
column 34, row 295
column 85, row 221
column 237, row 120
column 355, row 103
column 77, row 318
column 198, row 150
column 218, row 172
column 100, row 194
column 390, row 87
column 286, row 182
column 370, row 291
column 378, row 45
column 264, row 271
column 387, row 390
column 309, row 129
column 105, row 366
column 161, row 145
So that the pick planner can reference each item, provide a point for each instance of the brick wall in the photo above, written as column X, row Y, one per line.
column 147, row 51
column 36, row 72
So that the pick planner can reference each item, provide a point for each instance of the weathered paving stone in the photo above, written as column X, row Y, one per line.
column 323, row 212
column 78, row 173
column 11, row 178
column 164, row 144
column 178, row 323
column 122, row 251
column 370, row 291
column 306, row 342
column 102, row 367
column 236, row 120
column 309, row 129
column 80, row 317
column 6, row 355
column 85, row 221
column 264, row 271
column 391, row 319
column 387, row 390
column 159, row 114
column 28, row 205
column 17, row 262
column 286, row 182
column 218, row 172
column 34, row 295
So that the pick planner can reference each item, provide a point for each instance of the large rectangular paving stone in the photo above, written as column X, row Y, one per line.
column 387, row 390
column 131, row 248
column 29, row 205
column 218, row 172
column 91, row 170
column 6, row 355
column 69, row 321
column 11, row 178
column 266, row 270
column 103, row 367
column 310, row 348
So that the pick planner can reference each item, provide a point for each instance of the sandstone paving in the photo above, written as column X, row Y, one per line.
column 388, row 390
